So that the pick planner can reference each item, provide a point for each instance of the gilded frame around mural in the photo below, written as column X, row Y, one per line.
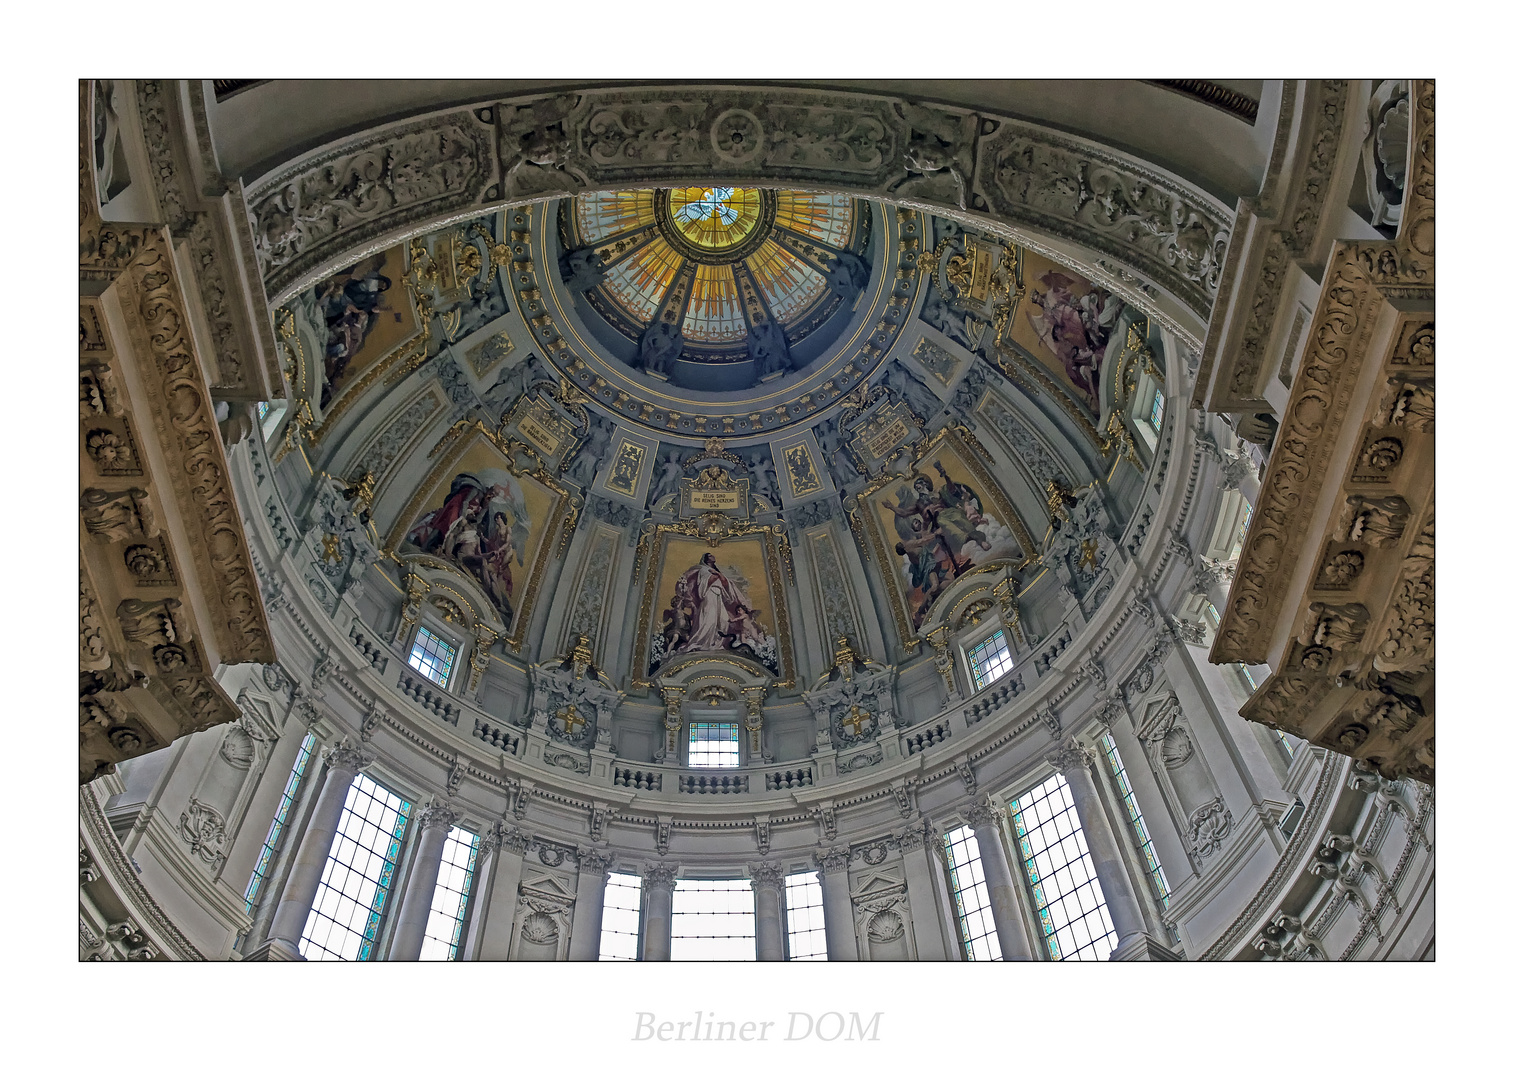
column 777, row 559
column 865, row 523
column 561, row 520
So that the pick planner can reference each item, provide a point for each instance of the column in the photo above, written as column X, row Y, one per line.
column 924, row 892
column 494, row 916
column 767, row 883
column 434, row 822
column 983, row 817
column 343, row 762
column 836, row 898
column 1075, row 762
column 589, row 904
column 657, row 911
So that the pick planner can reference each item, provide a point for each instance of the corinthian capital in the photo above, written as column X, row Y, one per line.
column 981, row 813
column 437, row 814
column 593, row 861
column 348, row 758
column 833, row 860
column 660, row 876
column 767, row 875
column 1071, row 756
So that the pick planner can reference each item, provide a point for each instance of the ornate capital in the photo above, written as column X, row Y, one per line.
column 768, row 875
column 833, row 860
column 595, row 861
column 345, row 757
column 437, row 814
column 513, row 839
column 913, row 837
column 981, row 813
column 1071, row 756
column 659, row 876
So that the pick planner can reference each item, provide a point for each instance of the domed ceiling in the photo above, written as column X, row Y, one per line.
column 715, row 288
column 558, row 424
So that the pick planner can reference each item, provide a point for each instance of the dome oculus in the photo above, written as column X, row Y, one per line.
column 719, row 263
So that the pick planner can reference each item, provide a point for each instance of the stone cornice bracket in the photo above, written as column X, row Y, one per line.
column 768, row 875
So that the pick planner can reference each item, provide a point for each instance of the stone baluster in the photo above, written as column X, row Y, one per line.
column 343, row 762
column 657, row 911
column 1075, row 762
column 767, row 884
column 836, row 900
column 1014, row 942
column 434, row 822
column 589, row 904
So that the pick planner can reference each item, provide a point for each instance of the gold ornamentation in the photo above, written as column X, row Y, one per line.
column 1120, row 441
column 331, row 548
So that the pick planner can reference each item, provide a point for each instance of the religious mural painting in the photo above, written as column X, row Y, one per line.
column 942, row 521
column 1068, row 323
column 714, row 600
column 488, row 518
column 359, row 315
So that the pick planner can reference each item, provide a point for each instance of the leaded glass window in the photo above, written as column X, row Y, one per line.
column 975, row 919
column 714, row 745
column 433, row 656
column 1246, row 674
column 1137, row 820
column 359, row 874
column 989, row 659
column 262, row 410
column 449, row 903
column 620, row 932
column 714, row 920
column 806, row 916
column 1158, row 404
column 1074, row 918
column 1240, row 536
column 1287, row 741
column 280, row 819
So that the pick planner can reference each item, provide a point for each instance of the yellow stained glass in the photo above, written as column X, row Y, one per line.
column 604, row 214
column 714, row 313
column 639, row 281
column 715, row 218
column 827, row 218
column 788, row 284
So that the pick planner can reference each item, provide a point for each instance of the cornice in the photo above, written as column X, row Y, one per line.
column 329, row 206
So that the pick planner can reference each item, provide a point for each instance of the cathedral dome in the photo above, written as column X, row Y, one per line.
column 751, row 484
column 715, row 288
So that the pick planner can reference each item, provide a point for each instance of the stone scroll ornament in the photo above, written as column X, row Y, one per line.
column 357, row 194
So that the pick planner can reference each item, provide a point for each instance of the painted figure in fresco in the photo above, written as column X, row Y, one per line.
column 350, row 304
column 943, row 533
column 678, row 619
column 482, row 526
column 712, row 612
column 1075, row 327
